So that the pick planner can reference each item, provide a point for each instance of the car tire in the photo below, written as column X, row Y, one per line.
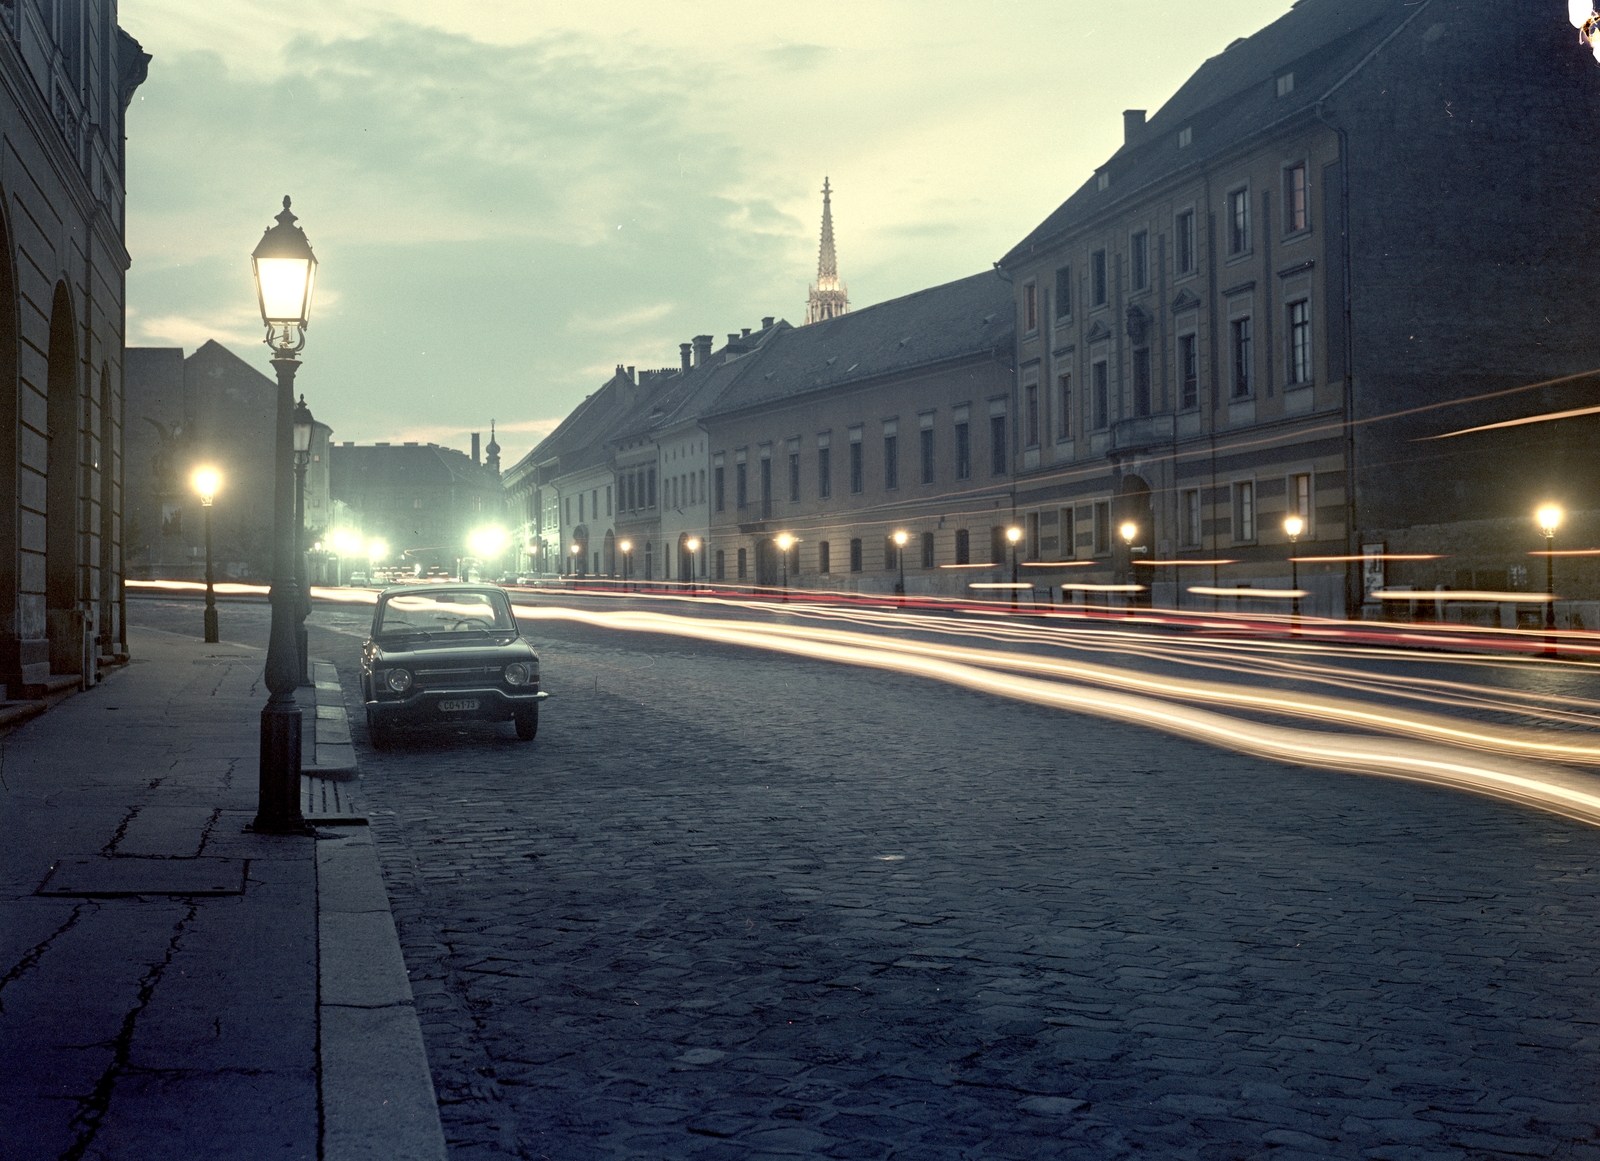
column 528, row 723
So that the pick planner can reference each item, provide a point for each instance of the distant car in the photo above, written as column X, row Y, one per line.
column 448, row 653
column 357, row 578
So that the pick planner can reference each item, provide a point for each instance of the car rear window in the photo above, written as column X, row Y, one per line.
column 444, row 613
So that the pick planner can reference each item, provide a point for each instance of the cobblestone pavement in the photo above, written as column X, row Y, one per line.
column 732, row 905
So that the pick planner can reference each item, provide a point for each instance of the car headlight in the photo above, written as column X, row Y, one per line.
column 518, row 673
column 399, row 680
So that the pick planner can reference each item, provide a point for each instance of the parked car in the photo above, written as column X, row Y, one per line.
column 357, row 578
column 448, row 653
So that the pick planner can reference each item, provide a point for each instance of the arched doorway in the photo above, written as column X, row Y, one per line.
column 579, row 550
column 611, row 552
column 64, row 624
column 685, row 558
column 1133, row 507
column 767, row 563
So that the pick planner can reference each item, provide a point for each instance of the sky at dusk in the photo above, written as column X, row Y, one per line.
column 508, row 199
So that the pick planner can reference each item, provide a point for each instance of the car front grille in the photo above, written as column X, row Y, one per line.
column 465, row 677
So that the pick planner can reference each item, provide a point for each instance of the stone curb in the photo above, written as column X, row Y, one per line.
column 377, row 1093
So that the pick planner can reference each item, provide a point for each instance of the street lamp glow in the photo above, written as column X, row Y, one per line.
column 692, row 544
column 1013, row 534
column 206, row 482
column 1129, row 530
column 344, row 542
column 1579, row 11
column 488, row 542
column 900, row 539
column 577, row 548
column 377, row 551
column 1293, row 526
column 784, row 542
column 1549, row 519
column 626, row 546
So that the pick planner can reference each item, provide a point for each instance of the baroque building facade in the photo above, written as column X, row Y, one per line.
column 1256, row 307
column 67, row 75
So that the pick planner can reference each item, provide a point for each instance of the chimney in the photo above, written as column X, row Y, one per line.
column 746, row 334
column 702, row 349
column 683, row 349
column 733, row 337
column 766, row 323
column 474, row 447
column 632, row 378
column 1132, row 124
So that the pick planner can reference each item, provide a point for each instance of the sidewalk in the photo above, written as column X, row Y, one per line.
column 170, row 984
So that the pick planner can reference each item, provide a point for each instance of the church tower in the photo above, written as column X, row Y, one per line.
column 492, row 460
column 829, row 298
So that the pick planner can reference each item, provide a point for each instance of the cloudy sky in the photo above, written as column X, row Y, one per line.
column 510, row 197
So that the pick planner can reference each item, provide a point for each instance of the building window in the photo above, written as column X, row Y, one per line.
column 1139, row 260
column 649, row 561
column 650, row 488
column 824, row 473
column 1300, row 497
column 1103, row 180
column 1067, row 546
column 1030, row 307
column 1141, row 381
column 794, row 559
column 997, row 445
column 926, row 436
column 794, row 477
column 718, row 480
column 1189, row 370
column 1030, row 415
column 963, row 546
column 1189, row 518
column 1064, row 292
column 580, row 507
column 1033, row 535
column 1102, row 527
column 1064, row 406
column 608, row 499
column 741, row 487
column 766, row 488
column 1184, row 256
column 744, row 563
column 927, row 550
column 1241, row 357
column 1285, row 84
column 1097, row 277
column 1244, row 510
column 997, row 544
column 856, row 474
column 1185, row 137
column 1300, row 342
column 963, row 451
column 891, row 461
column 1238, row 221
column 722, row 565
column 1099, row 376
column 855, row 554
column 1295, row 215
column 824, row 564
column 891, row 554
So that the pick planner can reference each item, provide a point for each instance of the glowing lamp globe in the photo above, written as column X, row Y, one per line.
column 286, row 272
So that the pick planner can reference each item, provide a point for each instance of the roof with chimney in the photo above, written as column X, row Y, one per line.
column 970, row 317
column 691, row 394
column 1320, row 44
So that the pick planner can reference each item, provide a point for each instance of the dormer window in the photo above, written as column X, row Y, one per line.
column 1285, row 84
column 1185, row 137
column 1104, row 181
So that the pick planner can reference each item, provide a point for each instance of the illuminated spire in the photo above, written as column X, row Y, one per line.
column 829, row 297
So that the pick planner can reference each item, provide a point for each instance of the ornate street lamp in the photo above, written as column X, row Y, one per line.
column 285, row 272
column 1582, row 15
column 627, row 562
column 1293, row 526
column 900, row 539
column 1549, row 518
column 693, row 545
column 205, row 482
column 303, row 426
column 785, row 542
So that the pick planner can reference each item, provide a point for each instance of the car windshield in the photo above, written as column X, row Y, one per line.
column 445, row 613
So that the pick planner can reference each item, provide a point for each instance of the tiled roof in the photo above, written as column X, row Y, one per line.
column 1233, row 96
column 968, row 317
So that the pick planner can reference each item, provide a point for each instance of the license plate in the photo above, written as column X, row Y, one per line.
column 458, row 703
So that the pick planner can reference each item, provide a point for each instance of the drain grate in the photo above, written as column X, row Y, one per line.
column 99, row 876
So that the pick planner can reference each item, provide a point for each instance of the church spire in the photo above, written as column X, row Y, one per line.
column 492, row 460
column 829, row 297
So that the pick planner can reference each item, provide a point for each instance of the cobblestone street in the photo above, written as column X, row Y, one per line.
column 736, row 905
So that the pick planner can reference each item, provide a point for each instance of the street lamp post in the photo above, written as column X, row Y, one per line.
column 302, row 458
column 693, row 545
column 285, row 273
column 1549, row 520
column 1014, row 534
column 205, row 482
column 1130, row 531
column 627, row 562
column 900, row 539
column 1294, row 526
column 785, row 542
column 576, row 548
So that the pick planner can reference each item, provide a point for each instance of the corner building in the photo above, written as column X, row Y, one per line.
column 67, row 73
column 1335, row 240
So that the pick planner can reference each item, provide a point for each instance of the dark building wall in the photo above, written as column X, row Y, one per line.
column 422, row 500
column 64, row 87
column 1472, row 213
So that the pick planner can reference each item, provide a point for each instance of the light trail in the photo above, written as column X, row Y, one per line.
column 1564, row 792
